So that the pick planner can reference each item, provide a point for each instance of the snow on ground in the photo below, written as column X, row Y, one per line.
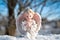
column 39, row 37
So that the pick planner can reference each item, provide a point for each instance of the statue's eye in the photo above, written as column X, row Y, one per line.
column 27, row 16
column 30, row 15
column 32, row 18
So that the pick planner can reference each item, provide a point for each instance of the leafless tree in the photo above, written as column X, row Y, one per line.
column 11, row 23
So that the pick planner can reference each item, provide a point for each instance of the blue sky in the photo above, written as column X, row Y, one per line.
column 3, row 8
column 50, row 11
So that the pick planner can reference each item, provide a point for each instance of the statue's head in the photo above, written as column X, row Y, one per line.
column 28, row 13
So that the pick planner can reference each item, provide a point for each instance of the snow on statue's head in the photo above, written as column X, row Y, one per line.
column 28, row 23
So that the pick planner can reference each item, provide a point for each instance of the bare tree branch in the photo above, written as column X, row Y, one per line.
column 38, row 4
column 11, row 3
column 20, row 2
column 43, row 6
column 28, row 3
column 23, row 6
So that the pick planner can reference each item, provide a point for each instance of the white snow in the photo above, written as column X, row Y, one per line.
column 39, row 37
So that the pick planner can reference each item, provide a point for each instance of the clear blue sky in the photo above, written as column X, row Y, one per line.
column 3, row 8
column 50, row 11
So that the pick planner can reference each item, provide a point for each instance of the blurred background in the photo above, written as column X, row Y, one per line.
column 48, row 9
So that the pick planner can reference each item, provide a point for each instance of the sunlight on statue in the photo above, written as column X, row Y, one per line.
column 28, row 23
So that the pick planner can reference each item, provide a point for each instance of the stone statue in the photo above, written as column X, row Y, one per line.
column 28, row 23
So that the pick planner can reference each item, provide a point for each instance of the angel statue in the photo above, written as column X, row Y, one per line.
column 28, row 23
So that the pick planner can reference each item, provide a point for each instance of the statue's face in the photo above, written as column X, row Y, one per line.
column 28, row 15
